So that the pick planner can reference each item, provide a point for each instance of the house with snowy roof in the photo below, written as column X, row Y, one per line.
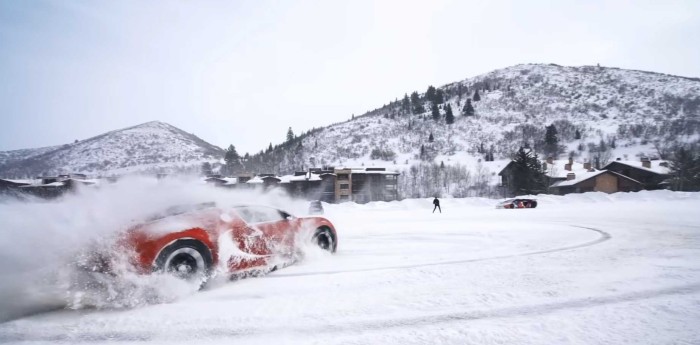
column 559, row 170
column 220, row 181
column 595, row 181
column 52, row 187
column 10, row 185
column 652, row 174
column 568, row 176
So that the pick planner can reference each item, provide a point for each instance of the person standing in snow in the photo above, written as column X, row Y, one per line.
column 436, row 202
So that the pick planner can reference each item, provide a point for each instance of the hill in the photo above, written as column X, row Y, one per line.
column 599, row 113
column 154, row 147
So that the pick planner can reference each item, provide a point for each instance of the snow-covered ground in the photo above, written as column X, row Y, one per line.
column 580, row 269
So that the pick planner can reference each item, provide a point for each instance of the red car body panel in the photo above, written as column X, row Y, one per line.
column 258, row 241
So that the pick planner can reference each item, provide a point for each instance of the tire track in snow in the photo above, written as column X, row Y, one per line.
column 213, row 334
column 603, row 236
column 528, row 310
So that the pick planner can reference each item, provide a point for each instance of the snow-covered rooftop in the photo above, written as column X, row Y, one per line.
column 305, row 177
column 580, row 177
column 654, row 165
column 19, row 181
column 558, row 168
column 377, row 172
column 255, row 180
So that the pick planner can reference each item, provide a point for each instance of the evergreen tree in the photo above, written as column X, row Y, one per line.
column 528, row 177
column 233, row 160
column 430, row 94
column 406, row 104
column 431, row 138
column 577, row 135
column 449, row 117
column 439, row 96
column 290, row 134
column 476, row 96
column 422, row 151
column 685, row 170
column 436, row 112
column 551, row 141
column 416, row 103
column 468, row 108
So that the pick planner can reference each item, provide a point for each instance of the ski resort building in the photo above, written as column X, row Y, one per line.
column 329, row 184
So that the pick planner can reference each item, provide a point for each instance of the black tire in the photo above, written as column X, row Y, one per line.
column 188, row 260
column 324, row 239
column 533, row 204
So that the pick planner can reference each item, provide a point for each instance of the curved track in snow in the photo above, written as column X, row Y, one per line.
column 603, row 236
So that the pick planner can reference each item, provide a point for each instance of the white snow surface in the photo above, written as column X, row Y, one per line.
column 580, row 269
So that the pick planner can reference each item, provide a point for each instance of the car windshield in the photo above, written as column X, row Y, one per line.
column 180, row 209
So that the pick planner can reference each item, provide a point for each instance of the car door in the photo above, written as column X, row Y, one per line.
column 252, row 250
column 278, row 228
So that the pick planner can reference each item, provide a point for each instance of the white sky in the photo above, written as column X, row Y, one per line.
column 242, row 72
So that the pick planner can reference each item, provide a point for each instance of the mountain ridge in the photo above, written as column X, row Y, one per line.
column 119, row 151
column 636, row 112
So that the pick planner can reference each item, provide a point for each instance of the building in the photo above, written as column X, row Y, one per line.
column 8, row 186
column 555, row 170
column 219, row 181
column 595, row 181
column 652, row 174
column 567, row 176
column 559, row 170
column 365, row 185
column 328, row 184
column 53, row 187
column 302, row 184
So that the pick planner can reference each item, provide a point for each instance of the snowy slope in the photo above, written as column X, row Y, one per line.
column 149, row 147
column 11, row 157
column 631, row 110
column 402, row 275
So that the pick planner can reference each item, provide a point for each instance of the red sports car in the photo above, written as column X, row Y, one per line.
column 517, row 203
column 191, row 241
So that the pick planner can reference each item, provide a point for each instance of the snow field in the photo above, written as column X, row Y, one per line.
column 580, row 269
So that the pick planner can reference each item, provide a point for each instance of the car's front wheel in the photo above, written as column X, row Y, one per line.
column 189, row 260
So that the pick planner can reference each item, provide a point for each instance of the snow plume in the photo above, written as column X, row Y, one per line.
column 44, row 243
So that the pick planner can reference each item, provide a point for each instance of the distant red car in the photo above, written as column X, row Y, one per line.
column 517, row 203
column 190, row 241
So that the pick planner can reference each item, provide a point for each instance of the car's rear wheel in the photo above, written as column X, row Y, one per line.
column 323, row 237
column 189, row 260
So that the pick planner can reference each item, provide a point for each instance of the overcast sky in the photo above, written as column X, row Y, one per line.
column 242, row 72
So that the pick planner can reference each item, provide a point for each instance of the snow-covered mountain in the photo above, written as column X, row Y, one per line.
column 149, row 147
column 631, row 112
column 598, row 112
column 10, row 157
